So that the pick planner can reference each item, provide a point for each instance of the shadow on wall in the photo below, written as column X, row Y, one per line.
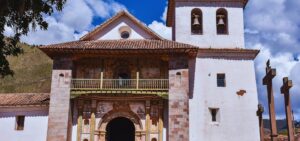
column 192, row 68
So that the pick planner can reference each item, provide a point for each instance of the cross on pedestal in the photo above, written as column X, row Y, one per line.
column 267, row 80
column 285, row 90
column 259, row 113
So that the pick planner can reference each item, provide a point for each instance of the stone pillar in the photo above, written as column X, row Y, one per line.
column 160, row 122
column 147, row 124
column 93, row 121
column 79, row 119
column 178, row 100
column 59, row 108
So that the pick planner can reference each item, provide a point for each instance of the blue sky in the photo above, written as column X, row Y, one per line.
column 145, row 10
column 273, row 26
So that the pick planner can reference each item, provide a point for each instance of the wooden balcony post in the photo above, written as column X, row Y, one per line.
column 101, row 80
column 137, row 79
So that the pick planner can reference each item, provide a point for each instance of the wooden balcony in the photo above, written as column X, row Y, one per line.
column 132, row 86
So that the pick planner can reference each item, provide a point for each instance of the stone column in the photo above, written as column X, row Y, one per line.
column 93, row 120
column 79, row 119
column 160, row 121
column 147, row 124
column 178, row 100
column 59, row 108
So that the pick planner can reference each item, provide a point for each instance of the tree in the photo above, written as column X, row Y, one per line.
column 22, row 16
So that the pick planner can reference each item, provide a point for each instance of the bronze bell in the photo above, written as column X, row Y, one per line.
column 196, row 20
column 221, row 19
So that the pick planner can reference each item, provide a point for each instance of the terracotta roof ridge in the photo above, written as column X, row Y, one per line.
column 24, row 99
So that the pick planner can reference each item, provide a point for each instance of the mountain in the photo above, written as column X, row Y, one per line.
column 32, row 72
column 281, row 124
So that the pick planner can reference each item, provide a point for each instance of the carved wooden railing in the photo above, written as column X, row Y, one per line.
column 120, row 84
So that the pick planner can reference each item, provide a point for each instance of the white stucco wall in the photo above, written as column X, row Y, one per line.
column 234, row 39
column 238, row 121
column 111, row 32
column 35, row 126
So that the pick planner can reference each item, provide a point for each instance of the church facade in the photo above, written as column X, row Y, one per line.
column 122, row 81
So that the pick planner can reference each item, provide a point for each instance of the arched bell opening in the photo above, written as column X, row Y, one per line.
column 196, row 21
column 222, row 21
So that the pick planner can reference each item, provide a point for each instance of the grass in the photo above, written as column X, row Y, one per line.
column 32, row 72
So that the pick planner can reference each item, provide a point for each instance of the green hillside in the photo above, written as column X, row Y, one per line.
column 32, row 72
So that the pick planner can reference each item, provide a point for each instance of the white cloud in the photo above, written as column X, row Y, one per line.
column 72, row 22
column 77, row 36
column 8, row 31
column 57, row 32
column 164, row 15
column 274, row 30
column 161, row 29
column 105, row 9
column 76, row 14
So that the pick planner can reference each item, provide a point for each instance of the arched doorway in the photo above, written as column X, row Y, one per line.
column 120, row 129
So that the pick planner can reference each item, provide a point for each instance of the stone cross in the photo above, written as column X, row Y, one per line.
column 259, row 113
column 285, row 90
column 267, row 80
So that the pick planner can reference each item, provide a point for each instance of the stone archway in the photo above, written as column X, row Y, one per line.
column 120, row 129
column 121, row 112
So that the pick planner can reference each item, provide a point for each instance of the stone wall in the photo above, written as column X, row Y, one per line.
column 107, row 110
column 178, row 100
column 59, row 109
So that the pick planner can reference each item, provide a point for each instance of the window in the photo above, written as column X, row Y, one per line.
column 125, row 32
column 222, row 21
column 221, row 82
column 125, row 35
column 20, row 120
column 196, row 21
column 214, row 113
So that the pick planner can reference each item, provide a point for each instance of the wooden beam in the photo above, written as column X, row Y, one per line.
column 267, row 80
column 285, row 90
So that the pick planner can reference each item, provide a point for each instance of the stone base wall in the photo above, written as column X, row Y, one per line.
column 59, row 108
column 178, row 105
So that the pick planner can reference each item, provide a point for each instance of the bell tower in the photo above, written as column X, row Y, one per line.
column 206, row 23
column 222, row 97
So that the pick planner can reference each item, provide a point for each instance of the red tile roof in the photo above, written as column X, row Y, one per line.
column 20, row 99
column 120, row 45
